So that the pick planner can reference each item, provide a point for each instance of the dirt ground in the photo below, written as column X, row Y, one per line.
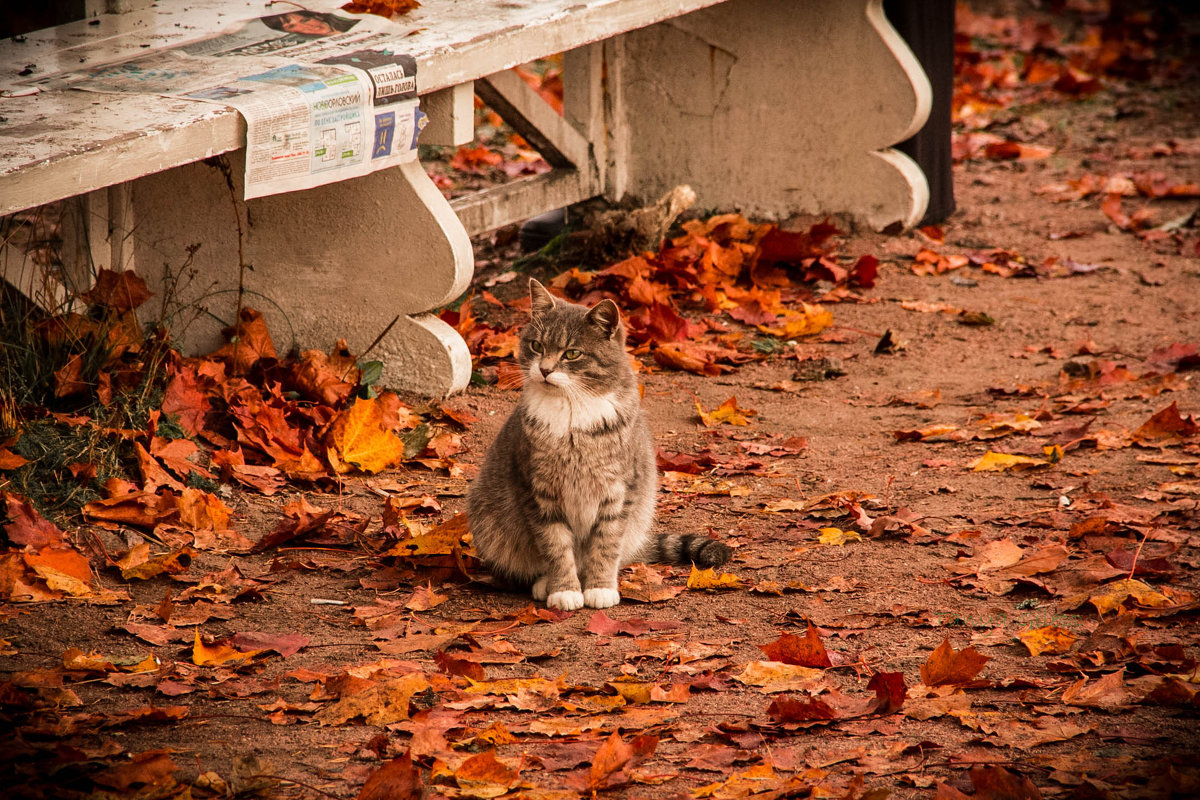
column 1075, row 341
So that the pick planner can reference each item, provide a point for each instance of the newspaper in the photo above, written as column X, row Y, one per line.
column 316, row 111
column 310, row 124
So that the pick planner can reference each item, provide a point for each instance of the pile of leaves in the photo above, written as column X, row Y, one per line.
column 723, row 292
column 240, row 416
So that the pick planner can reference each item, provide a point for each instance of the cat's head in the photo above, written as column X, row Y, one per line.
column 572, row 347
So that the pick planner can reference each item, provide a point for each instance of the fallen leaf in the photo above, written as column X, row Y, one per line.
column 775, row 676
column 728, row 413
column 838, row 537
column 150, row 768
column 483, row 775
column 219, row 654
column 118, row 291
column 1108, row 692
column 948, row 667
column 603, row 625
column 786, row 709
column 1001, row 462
column 359, row 439
column 709, row 579
column 807, row 650
column 1051, row 640
column 425, row 598
column 614, row 757
column 397, row 779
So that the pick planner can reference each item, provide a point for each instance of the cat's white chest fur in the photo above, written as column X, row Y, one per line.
column 558, row 411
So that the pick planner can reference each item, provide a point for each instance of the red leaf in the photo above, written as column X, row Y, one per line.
column 615, row 756
column 603, row 625
column 286, row 644
column 150, row 768
column 785, row 709
column 792, row 248
column 119, row 291
column 889, row 691
column 26, row 527
column 459, row 666
column 398, row 779
column 382, row 8
column 804, row 651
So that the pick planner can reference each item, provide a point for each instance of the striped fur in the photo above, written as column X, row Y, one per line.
column 566, row 494
column 686, row 548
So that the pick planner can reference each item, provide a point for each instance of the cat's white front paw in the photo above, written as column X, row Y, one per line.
column 539, row 588
column 569, row 600
column 601, row 598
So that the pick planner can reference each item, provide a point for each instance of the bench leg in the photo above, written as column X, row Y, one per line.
column 333, row 262
column 773, row 107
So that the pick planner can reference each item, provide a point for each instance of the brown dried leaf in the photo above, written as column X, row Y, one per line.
column 947, row 667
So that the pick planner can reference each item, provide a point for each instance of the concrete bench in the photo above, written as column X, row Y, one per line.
column 773, row 107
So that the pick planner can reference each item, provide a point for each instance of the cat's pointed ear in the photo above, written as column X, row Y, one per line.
column 606, row 316
column 539, row 299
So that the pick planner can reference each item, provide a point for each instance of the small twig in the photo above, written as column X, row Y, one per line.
column 104, row 549
column 371, row 346
column 280, row 778
column 222, row 164
column 1137, row 554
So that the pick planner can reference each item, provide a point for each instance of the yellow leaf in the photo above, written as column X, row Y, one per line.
column 776, row 676
column 728, row 412
column 219, row 654
column 810, row 320
column 381, row 704
column 1117, row 592
column 838, row 537
column 1001, row 462
column 709, row 579
column 1022, row 423
column 359, row 439
column 1051, row 640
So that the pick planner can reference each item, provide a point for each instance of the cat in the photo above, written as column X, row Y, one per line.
column 566, row 494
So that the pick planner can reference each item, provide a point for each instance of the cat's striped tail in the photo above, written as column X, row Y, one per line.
column 687, row 548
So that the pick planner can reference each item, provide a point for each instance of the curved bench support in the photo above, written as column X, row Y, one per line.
column 774, row 107
column 334, row 261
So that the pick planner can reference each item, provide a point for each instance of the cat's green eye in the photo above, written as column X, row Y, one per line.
column 572, row 354
column 535, row 347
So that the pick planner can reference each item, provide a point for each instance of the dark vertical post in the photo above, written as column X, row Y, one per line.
column 928, row 28
column 25, row 17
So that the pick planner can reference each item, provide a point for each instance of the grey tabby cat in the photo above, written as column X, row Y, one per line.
column 566, row 495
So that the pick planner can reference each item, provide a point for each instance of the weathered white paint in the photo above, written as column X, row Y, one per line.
column 59, row 144
column 525, row 110
column 772, row 108
column 451, row 115
column 523, row 198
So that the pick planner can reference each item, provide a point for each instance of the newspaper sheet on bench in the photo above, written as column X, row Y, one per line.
column 325, row 97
